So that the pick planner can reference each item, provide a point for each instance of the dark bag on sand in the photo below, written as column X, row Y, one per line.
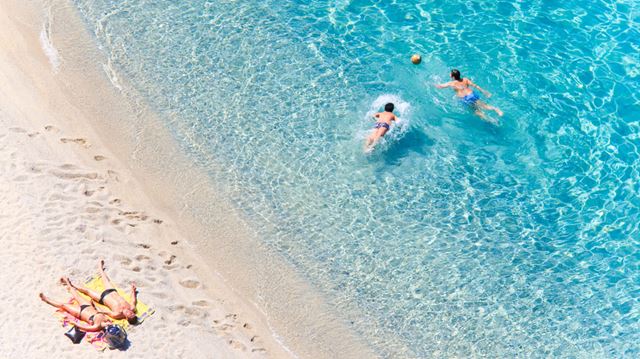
column 75, row 335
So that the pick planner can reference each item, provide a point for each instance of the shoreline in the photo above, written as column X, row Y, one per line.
column 255, row 305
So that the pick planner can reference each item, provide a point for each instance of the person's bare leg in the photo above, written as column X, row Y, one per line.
column 50, row 301
column 105, row 280
column 73, row 310
column 372, row 140
column 369, row 141
column 378, row 135
column 86, row 291
column 80, row 299
column 486, row 118
column 480, row 114
column 489, row 107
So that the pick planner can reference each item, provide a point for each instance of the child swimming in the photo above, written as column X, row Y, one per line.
column 383, row 124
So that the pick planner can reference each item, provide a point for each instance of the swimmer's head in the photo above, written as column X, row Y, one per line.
column 389, row 107
column 455, row 74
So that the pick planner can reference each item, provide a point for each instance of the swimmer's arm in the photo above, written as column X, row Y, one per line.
column 485, row 92
column 445, row 85
column 377, row 115
column 88, row 328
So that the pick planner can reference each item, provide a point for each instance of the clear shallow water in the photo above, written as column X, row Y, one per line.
column 461, row 237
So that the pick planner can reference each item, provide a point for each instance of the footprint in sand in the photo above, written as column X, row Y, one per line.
column 50, row 128
column 195, row 312
column 160, row 295
column 176, row 308
column 190, row 283
column 200, row 303
column 72, row 175
column 79, row 141
column 99, row 158
column 142, row 257
column 224, row 327
column 134, row 215
column 35, row 168
column 184, row 322
column 113, row 175
column 237, row 345
column 170, row 260
column 68, row 166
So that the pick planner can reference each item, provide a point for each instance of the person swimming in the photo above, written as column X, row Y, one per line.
column 383, row 124
column 467, row 96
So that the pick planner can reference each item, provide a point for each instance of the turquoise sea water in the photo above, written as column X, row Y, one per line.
column 461, row 237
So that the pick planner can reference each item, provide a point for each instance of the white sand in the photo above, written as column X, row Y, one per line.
column 66, row 202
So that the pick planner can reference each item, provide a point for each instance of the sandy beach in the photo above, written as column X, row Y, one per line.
column 79, row 186
column 68, row 202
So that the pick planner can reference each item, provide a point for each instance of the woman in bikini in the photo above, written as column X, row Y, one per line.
column 85, row 311
column 467, row 96
column 119, row 308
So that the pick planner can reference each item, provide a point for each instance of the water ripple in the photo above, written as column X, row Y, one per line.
column 460, row 238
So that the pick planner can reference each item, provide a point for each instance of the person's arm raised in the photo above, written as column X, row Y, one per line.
column 485, row 92
column 134, row 295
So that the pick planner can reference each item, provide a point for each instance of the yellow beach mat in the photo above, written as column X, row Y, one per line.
column 96, row 339
column 142, row 310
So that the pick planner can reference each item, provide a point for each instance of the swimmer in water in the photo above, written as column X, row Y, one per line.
column 383, row 124
column 461, row 85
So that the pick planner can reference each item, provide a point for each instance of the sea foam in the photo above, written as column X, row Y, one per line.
column 47, row 45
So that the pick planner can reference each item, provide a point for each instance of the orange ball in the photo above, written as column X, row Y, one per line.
column 416, row 59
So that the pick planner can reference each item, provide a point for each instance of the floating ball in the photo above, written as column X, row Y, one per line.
column 416, row 59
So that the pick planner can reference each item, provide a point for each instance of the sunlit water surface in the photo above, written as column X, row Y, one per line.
column 461, row 237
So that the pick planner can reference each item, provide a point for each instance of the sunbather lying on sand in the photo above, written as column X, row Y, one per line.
column 85, row 311
column 119, row 308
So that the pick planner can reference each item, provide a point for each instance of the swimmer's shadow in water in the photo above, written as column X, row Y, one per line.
column 414, row 141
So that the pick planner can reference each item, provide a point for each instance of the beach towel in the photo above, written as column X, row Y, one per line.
column 96, row 339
